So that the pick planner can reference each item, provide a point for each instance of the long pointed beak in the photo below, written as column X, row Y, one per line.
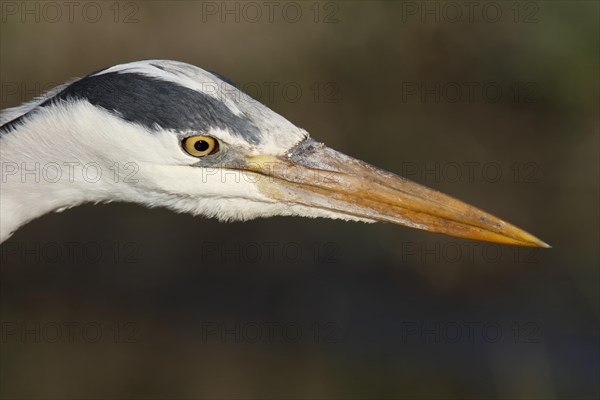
column 316, row 176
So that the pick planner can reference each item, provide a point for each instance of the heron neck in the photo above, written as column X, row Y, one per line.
column 38, row 176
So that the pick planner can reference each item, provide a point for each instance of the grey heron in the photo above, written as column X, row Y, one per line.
column 198, row 145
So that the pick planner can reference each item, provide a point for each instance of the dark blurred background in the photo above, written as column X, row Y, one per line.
column 495, row 103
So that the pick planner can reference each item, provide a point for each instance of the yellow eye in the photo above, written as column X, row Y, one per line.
column 200, row 146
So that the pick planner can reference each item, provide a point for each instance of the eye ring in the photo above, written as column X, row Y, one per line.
column 200, row 145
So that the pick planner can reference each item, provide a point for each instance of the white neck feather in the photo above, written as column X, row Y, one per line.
column 44, row 167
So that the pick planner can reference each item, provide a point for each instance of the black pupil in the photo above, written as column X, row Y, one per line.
column 201, row 145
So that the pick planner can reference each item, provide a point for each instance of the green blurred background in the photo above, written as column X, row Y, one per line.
column 164, row 305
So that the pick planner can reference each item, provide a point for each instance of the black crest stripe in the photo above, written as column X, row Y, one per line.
column 153, row 103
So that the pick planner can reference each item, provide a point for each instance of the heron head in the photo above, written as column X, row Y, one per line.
column 187, row 139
